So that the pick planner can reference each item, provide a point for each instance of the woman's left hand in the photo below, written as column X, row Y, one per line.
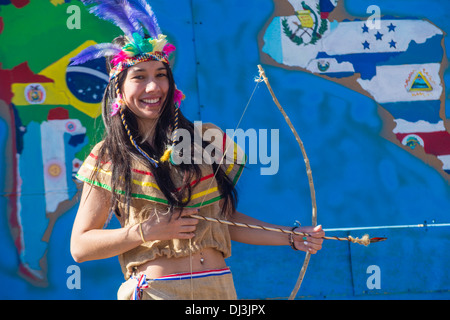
column 311, row 243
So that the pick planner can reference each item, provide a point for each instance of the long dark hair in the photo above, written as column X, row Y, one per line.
column 118, row 150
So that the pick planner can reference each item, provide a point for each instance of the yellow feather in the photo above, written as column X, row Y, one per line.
column 166, row 156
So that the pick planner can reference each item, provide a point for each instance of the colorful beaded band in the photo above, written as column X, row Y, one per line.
column 124, row 64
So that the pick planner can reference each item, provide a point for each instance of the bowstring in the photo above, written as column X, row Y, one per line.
column 258, row 80
column 230, row 143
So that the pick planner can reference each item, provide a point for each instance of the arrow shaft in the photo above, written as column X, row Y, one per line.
column 389, row 227
column 364, row 241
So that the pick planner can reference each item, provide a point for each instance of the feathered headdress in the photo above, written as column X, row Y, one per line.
column 143, row 36
column 144, row 42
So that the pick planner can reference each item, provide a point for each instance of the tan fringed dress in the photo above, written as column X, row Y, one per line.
column 147, row 200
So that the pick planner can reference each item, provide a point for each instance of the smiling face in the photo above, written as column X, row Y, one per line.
column 145, row 91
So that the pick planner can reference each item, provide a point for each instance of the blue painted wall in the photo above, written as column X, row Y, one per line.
column 361, row 177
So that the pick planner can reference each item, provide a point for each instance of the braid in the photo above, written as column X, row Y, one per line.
column 175, row 130
column 116, row 84
column 152, row 161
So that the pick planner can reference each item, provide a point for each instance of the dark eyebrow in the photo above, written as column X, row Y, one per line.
column 136, row 70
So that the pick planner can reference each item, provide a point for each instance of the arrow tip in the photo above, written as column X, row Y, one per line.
column 377, row 239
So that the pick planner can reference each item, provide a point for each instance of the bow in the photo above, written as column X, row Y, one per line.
column 365, row 240
column 141, row 284
column 262, row 77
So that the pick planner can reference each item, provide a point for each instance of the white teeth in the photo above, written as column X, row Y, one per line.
column 150, row 100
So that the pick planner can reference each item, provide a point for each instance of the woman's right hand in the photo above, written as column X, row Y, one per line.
column 170, row 226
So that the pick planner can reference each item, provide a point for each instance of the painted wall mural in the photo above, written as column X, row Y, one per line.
column 398, row 62
column 364, row 82
column 47, row 113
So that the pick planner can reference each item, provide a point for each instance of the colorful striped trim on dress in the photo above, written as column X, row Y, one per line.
column 145, row 187
column 143, row 184
column 194, row 275
column 153, row 191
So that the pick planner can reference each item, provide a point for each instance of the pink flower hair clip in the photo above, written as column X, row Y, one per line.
column 117, row 104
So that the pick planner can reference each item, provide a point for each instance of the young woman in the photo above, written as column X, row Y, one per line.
column 164, row 252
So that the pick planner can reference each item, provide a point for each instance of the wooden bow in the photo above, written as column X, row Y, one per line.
column 263, row 77
column 365, row 240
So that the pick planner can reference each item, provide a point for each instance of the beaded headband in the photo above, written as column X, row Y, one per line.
column 141, row 50
column 144, row 42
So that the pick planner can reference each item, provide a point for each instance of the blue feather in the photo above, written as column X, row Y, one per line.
column 114, row 11
column 131, row 16
column 146, row 17
column 95, row 52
